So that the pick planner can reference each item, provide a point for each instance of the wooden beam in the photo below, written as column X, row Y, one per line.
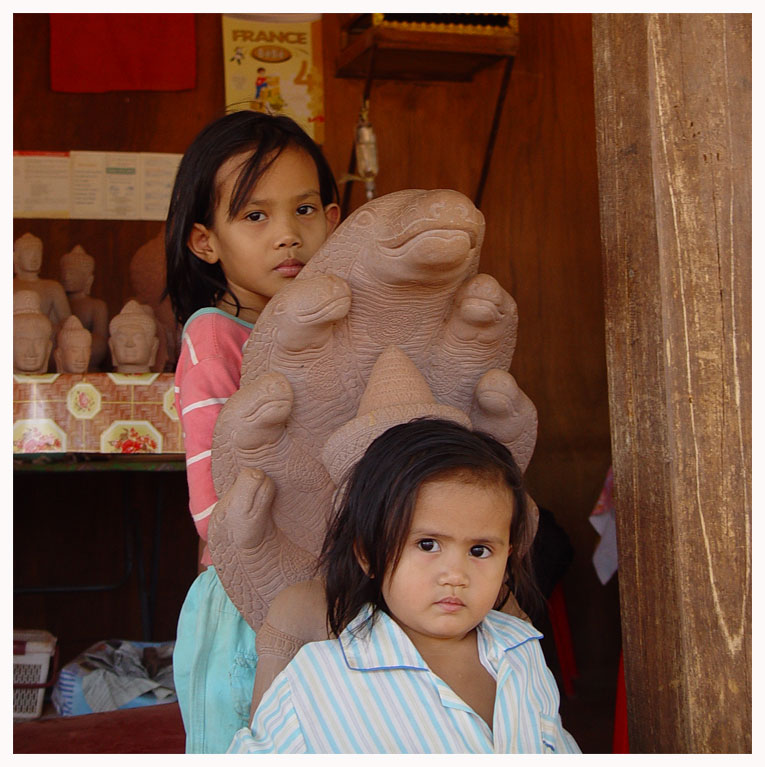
column 673, row 115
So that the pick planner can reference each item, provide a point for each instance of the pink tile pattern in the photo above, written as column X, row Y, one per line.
column 95, row 413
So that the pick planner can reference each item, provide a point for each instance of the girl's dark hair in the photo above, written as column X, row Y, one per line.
column 192, row 283
column 373, row 510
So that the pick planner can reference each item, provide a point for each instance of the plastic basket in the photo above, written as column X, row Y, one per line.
column 32, row 653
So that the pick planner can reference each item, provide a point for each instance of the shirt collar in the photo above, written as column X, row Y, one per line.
column 380, row 645
column 499, row 633
column 385, row 645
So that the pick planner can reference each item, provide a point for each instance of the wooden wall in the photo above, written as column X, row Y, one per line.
column 540, row 203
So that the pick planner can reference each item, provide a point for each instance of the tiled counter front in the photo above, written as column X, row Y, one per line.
column 95, row 413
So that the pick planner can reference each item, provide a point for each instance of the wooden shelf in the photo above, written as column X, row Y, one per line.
column 415, row 54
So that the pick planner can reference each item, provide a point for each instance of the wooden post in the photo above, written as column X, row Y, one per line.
column 673, row 114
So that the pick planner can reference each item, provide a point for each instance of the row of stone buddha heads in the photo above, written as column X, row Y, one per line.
column 62, row 319
column 132, row 339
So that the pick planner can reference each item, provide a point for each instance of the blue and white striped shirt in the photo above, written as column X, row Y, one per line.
column 373, row 693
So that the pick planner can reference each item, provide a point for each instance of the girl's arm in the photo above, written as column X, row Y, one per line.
column 204, row 384
column 203, row 391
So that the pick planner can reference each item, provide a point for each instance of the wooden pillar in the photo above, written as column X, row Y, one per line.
column 673, row 114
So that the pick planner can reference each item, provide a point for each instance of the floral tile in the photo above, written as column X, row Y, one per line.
column 96, row 412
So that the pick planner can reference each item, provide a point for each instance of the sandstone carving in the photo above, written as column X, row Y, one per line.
column 73, row 352
column 32, row 334
column 133, row 338
column 399, row 278
column 148, row 273
column 77, row 274
column 27, row 263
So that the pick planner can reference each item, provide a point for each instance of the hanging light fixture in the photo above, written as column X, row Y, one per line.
column 366, row 151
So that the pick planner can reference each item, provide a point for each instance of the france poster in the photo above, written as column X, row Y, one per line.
column 273, row 63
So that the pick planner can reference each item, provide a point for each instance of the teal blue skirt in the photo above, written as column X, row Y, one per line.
column 213, row 666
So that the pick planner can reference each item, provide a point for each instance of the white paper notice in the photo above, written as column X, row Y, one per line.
column 158, row 175
column 122, row 185
column 41, row 184
column 95, row 185
column 87, row 190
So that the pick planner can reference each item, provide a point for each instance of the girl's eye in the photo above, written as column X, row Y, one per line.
column 256, row 216
column 428, row 544
column 480, row 551
column 305, row 210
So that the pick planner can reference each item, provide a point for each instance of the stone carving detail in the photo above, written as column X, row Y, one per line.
column 133, row 339
column 148, row 273
column 73, row 352
column 32, row 334
column 77, row 273
column 399, row 277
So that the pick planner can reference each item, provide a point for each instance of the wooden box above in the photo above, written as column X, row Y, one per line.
column 422, row 46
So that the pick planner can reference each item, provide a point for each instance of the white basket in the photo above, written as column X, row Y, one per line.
column 31, row 666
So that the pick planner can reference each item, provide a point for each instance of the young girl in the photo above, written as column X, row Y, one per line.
column 418, row 557
column 253, row 200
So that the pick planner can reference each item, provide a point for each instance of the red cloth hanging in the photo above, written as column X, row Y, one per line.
column 99, row 52
column 621, row 730
column 556, row 610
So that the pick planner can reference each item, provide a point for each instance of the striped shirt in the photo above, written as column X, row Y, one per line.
column 373, row 693
column 207, row 374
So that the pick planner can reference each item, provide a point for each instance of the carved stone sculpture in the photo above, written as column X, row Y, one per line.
column 77, row 272
column 32, row 334
column 73, row 351
column 148, row 273
column 133, row 339
column 27, row 262
column 401, row 272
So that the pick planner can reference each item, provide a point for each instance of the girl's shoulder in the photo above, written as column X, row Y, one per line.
column 324, row 655
column 212, row 334
column 210, row 316
column 508, row 630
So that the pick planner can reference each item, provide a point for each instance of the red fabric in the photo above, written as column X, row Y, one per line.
column 148, row 730
column 99, row 52
column 556, row 609
column 621, row 733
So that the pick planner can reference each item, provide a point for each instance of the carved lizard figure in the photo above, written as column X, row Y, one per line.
column 400, row 272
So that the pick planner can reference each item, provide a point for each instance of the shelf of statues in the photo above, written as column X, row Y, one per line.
column 62, row 340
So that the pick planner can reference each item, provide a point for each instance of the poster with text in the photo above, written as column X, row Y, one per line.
column 273, row 63
column 93, row 185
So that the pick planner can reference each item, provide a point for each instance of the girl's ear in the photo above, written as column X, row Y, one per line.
column 200, row 243
column 332, row 213
column 361, row 559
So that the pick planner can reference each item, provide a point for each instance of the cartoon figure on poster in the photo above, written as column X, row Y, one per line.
column 260, row 82
column 268, row 96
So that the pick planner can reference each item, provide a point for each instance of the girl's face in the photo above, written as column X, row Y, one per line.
column 274, row 234
column 453, row 561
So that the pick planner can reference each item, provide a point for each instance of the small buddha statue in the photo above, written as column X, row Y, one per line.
column 73, row 351
column 148, row 275
column 133, row 339
column 32, row 334
column 27, row 262
column 77, row 273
